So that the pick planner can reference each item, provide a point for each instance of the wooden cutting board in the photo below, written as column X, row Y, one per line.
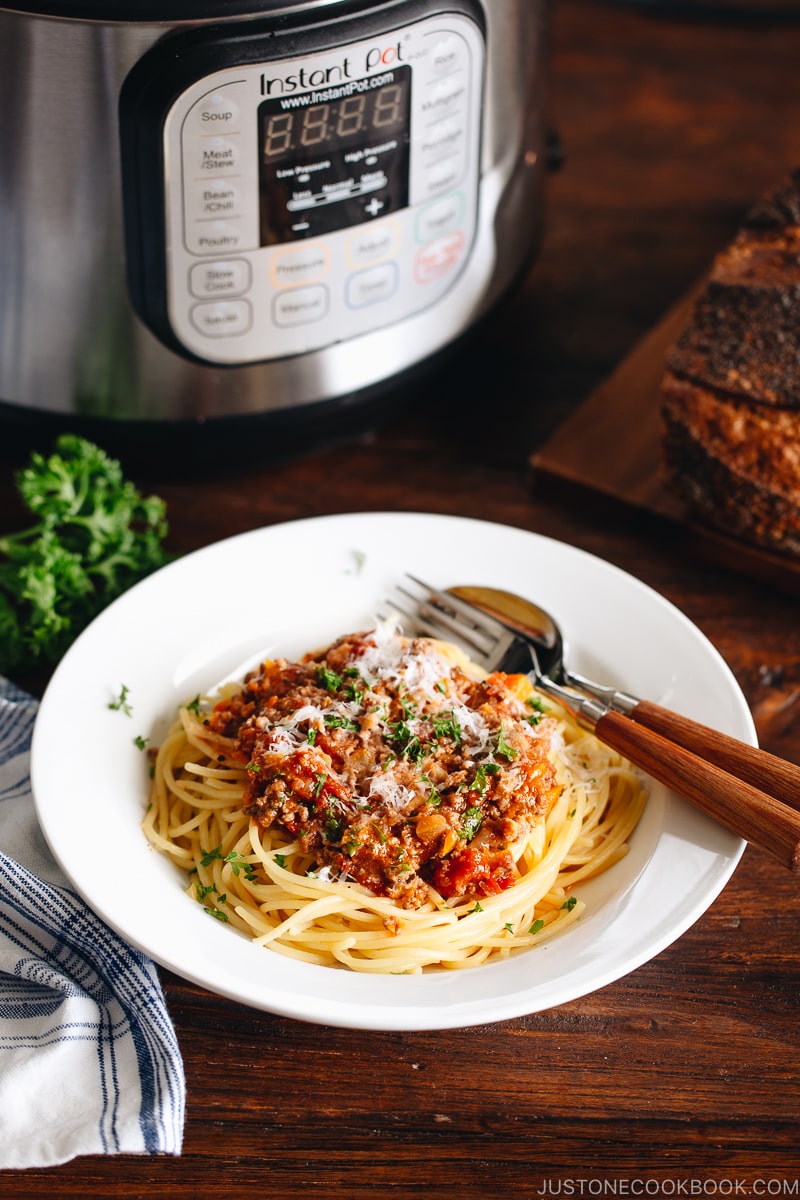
column 610, row 446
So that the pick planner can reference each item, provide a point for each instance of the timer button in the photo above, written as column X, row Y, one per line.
column 372, row 286
column 220, row 278
column 222, row 318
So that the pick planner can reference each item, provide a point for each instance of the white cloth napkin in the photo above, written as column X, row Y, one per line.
column 89, row 1061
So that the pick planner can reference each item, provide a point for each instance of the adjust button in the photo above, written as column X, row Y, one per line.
column 222, row 318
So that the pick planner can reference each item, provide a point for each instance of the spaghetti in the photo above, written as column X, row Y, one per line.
column 382, row 806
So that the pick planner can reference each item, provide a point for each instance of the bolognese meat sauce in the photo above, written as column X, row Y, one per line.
column 392, row 766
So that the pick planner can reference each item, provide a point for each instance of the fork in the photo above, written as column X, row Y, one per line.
column 745, row 810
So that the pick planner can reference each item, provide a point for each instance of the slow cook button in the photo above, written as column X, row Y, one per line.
column 300, row 306
column 372, row 286
column 220, row 278
column 222, row 318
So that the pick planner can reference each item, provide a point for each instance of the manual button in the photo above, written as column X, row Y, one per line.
column 222, row 318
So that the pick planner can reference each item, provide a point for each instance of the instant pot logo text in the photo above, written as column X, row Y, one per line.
column 376, row 58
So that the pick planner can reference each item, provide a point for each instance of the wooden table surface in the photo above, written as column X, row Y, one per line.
column 686, row 1073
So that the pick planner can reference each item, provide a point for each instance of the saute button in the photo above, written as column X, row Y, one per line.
column 222, row 318
column 220, row 278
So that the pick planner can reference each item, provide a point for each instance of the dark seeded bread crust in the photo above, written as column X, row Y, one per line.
column 731, row 393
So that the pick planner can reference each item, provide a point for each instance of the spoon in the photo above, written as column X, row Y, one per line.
column 757, row 767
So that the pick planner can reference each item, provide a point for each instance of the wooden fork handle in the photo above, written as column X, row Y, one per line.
column 736, row 804
column 764, row 771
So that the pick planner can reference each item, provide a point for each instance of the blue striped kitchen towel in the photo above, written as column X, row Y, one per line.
column 89, row 1061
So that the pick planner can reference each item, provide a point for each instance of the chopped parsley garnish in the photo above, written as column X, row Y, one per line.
column 503, row 747
column 280, row 859
column 121, row 703
column 570, row 903
column 539, row 710
column 476, row 909
column 321, row 779
column 140, row 742
column 481, row 782
column 208, row 856
column 407, row 743
column 329, row 679
column 214, row 912
column 446, row 725
column 311, row 737
column 237, row 864
column 335, row 721
column 473, row 819
column 537, row 926
column 194, row 706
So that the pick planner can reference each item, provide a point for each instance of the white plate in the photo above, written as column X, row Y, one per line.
column 293, row 587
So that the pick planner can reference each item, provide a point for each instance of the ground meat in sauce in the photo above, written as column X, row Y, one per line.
column 394, row 767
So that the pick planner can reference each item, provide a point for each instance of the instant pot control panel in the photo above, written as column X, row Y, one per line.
column 276, row 205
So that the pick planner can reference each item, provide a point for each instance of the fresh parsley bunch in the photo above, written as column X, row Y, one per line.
column 94, row 535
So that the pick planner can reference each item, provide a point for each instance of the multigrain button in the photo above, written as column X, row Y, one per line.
column 300, row 306
column 222, row 318
column 220, row 278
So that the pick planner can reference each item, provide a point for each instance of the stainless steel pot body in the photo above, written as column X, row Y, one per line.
column 71, row 339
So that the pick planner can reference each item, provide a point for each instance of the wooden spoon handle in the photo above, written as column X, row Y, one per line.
column 765, row 771
column 736, row 804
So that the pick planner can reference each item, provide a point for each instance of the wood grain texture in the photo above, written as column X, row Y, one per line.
column 689, row 1068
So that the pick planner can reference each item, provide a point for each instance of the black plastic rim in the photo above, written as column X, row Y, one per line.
column 159, row 11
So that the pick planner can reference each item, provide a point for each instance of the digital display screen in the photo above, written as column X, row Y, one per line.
column 334, row 157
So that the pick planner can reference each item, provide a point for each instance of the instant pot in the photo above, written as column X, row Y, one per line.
column 220, row 208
